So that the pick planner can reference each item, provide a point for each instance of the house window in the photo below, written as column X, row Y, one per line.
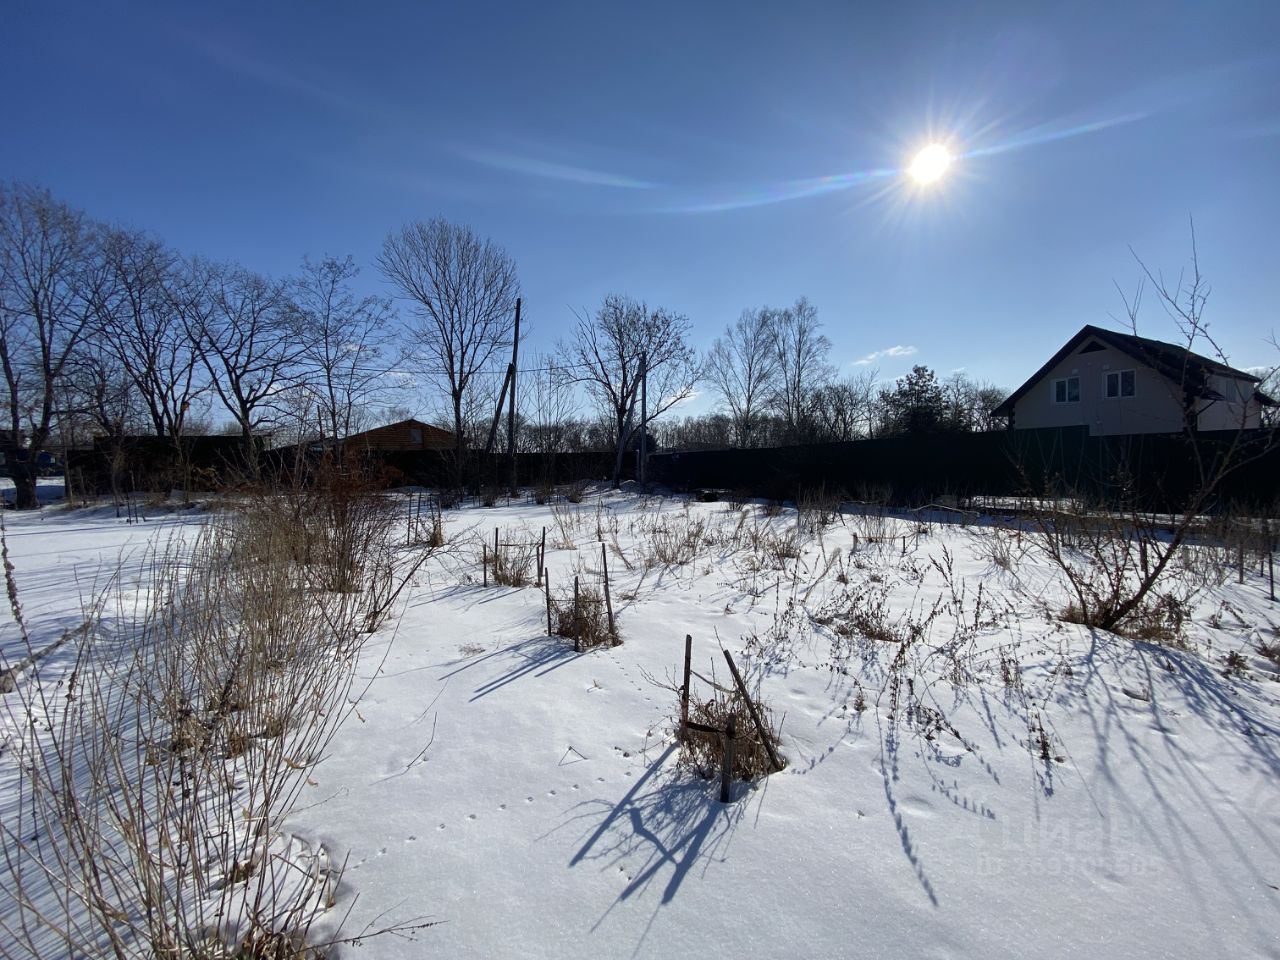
column 1066, row 390
column 1120, row 383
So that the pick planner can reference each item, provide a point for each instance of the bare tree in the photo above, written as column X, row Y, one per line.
column 802, row 365
column 743, row 366
column 249, row 341
column 348, row 344
column 462, row 290
column 140, row 322
column 50, row 281
column 610, row 352
column 96, row 386
column 549, row 400
column 844, row 410
column 969, row 403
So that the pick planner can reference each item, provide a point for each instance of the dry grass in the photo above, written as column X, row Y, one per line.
column 585, row 622
column 515, row 563
column 158, row 778
column 703, row 753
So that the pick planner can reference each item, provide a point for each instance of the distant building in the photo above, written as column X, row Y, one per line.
column 1119, row 383
column 404, row 436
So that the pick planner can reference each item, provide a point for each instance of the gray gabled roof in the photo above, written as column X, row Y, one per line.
column 1176, row 363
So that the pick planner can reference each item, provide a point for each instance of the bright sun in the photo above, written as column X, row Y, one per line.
column 930, row 163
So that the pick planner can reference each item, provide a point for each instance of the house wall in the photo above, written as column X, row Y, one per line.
column 1155, row 407
column 1238, row 409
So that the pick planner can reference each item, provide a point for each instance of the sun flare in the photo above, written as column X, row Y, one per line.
column 930, row 164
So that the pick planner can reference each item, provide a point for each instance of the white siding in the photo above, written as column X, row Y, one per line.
column 1155, row 407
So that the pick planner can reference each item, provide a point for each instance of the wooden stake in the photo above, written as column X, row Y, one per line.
column 484, row 563
column 684, row 687
column 1240, row 563
column 751, row 709
column 548, row 586
column 577, row 618
column 542, row 554
column 726, row 760
column 608, row 599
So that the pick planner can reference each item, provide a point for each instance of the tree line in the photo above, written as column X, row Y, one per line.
column 107, row 331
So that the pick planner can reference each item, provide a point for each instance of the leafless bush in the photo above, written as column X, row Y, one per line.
column 675, row 539
column 818, row 508
column 1111, row 562
column 576, row 491
column 568, row 520
column 870, row 525
column 1000, row 546
column 783, row 545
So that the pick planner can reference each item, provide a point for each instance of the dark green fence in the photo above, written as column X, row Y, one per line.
column 1153, row 471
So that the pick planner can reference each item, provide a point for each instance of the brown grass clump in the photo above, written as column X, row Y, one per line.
column 586, row 623
column 513, row 564
column 702, row 753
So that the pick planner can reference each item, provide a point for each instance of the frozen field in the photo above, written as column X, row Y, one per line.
column 967, row 775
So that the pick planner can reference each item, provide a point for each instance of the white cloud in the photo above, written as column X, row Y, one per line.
column 894, row 351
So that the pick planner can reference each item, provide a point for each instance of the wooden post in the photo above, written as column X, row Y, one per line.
column 608, row 599
column 1240, row 563
column 726, row 760
column 1271, row 569
column 684, row 687
column 548, row 585
column 577, row 618
column 484, row 562
column 1142, row 553
column 751, row 709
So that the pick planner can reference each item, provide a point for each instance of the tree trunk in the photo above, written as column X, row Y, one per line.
column 459, row 444
column 24, row 486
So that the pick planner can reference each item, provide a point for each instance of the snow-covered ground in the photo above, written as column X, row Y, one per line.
column 528, row 798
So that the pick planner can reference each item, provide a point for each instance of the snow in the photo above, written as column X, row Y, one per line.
column 528, row 798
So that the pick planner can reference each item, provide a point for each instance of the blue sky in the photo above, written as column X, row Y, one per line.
column 706, row 157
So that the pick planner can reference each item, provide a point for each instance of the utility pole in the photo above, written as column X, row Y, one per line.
column 497, row 413
column 644, row 416
column 511, row 410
